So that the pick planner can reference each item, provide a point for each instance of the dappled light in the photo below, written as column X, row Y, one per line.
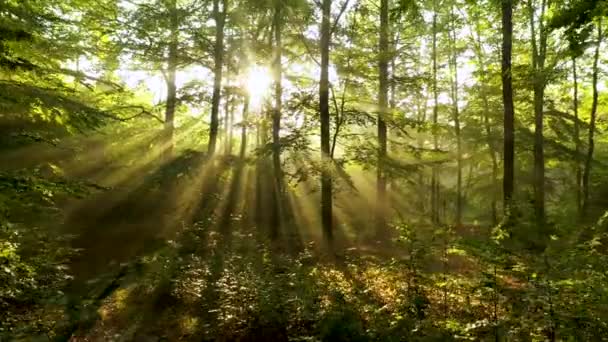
column 332, row 170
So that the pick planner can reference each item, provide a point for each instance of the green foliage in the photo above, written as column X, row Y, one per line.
column 176, row 250
column 576, row 18
column 341, row 322
column 33, row 276
column 33, row 251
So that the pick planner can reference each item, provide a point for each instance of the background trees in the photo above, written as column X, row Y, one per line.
column 509, row 113
column 370, row 128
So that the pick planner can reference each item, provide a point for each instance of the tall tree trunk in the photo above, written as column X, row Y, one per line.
column 393, row 85
column 227, row 110
column 509, row 113
column 326, row 181
column 421, row 106
column 434, row 175
column 244, row 123
column 456, row 118
column 592, row 121
column 383, row 61
column 277, row 190
column 492, row 149
column 259, row 167
column 218, row 56
column 538, row 65
column 229, row 107
column 577, row 140
column 170, row 79
column 278, row 93
column 339, row 117
column 230, row 127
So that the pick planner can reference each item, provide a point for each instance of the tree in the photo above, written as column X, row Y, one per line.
column 172, row 59
column 277, row 70
column 326, row 181
column 539, row 53
column 435, row 185
column 456, row 113
column 278, row 91
column 159, row 36
column 577, row 139
column 593, row 118
column 402, row 101
column 219, row 16
column 509, row 115
column 484, row 64
column 383, row 64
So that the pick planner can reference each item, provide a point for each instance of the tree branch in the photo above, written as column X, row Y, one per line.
column 337, row 20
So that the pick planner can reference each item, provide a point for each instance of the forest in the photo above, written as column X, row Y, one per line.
column 303, row 170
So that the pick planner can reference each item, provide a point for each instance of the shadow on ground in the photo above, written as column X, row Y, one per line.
column 189, row 253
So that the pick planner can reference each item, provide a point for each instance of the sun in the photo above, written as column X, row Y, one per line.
column 257, row 81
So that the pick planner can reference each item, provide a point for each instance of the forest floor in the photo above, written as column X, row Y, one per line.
column 180, row 255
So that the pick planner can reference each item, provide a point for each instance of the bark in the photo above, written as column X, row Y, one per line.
column 434, row 175
column 492, row 148
column 339, row 121
column 456, row 118
column 227, row 114
column 229, row 108
column 218, row 56
column 393, row 85
column 277, row 189
column 278, row 93
column 592, row 122
column 171, row 102
column 383, row 62
column 262, row 177
column 243, row 66
column 577, row 140
column 421, row 106
column 538, row 64
column 509, row 113
column 230, row 127
column 326, row 179
column 259, row 166
column 245, row 118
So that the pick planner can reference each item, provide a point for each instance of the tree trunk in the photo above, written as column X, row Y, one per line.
column 278, row 93
column 218, row 56
column 421, row 117
column 509, row 113
column 381, row 204
column 171, row 102
column 434, row 175
column 326, row 181
column 262, row 177
column 244, row 123
column 230, row 127
column 492, row 149
column 227, row 114
column 339, row 117
column 456, row 118
column 539, row 157
column 538, row 65
column 277, row 190
column 229, row 108
column 577, row 140
column 592, row 122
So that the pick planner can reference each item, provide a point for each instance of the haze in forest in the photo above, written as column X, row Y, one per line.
column 297, row 170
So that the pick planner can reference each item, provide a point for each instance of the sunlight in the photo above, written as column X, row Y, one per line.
column 257, row 82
